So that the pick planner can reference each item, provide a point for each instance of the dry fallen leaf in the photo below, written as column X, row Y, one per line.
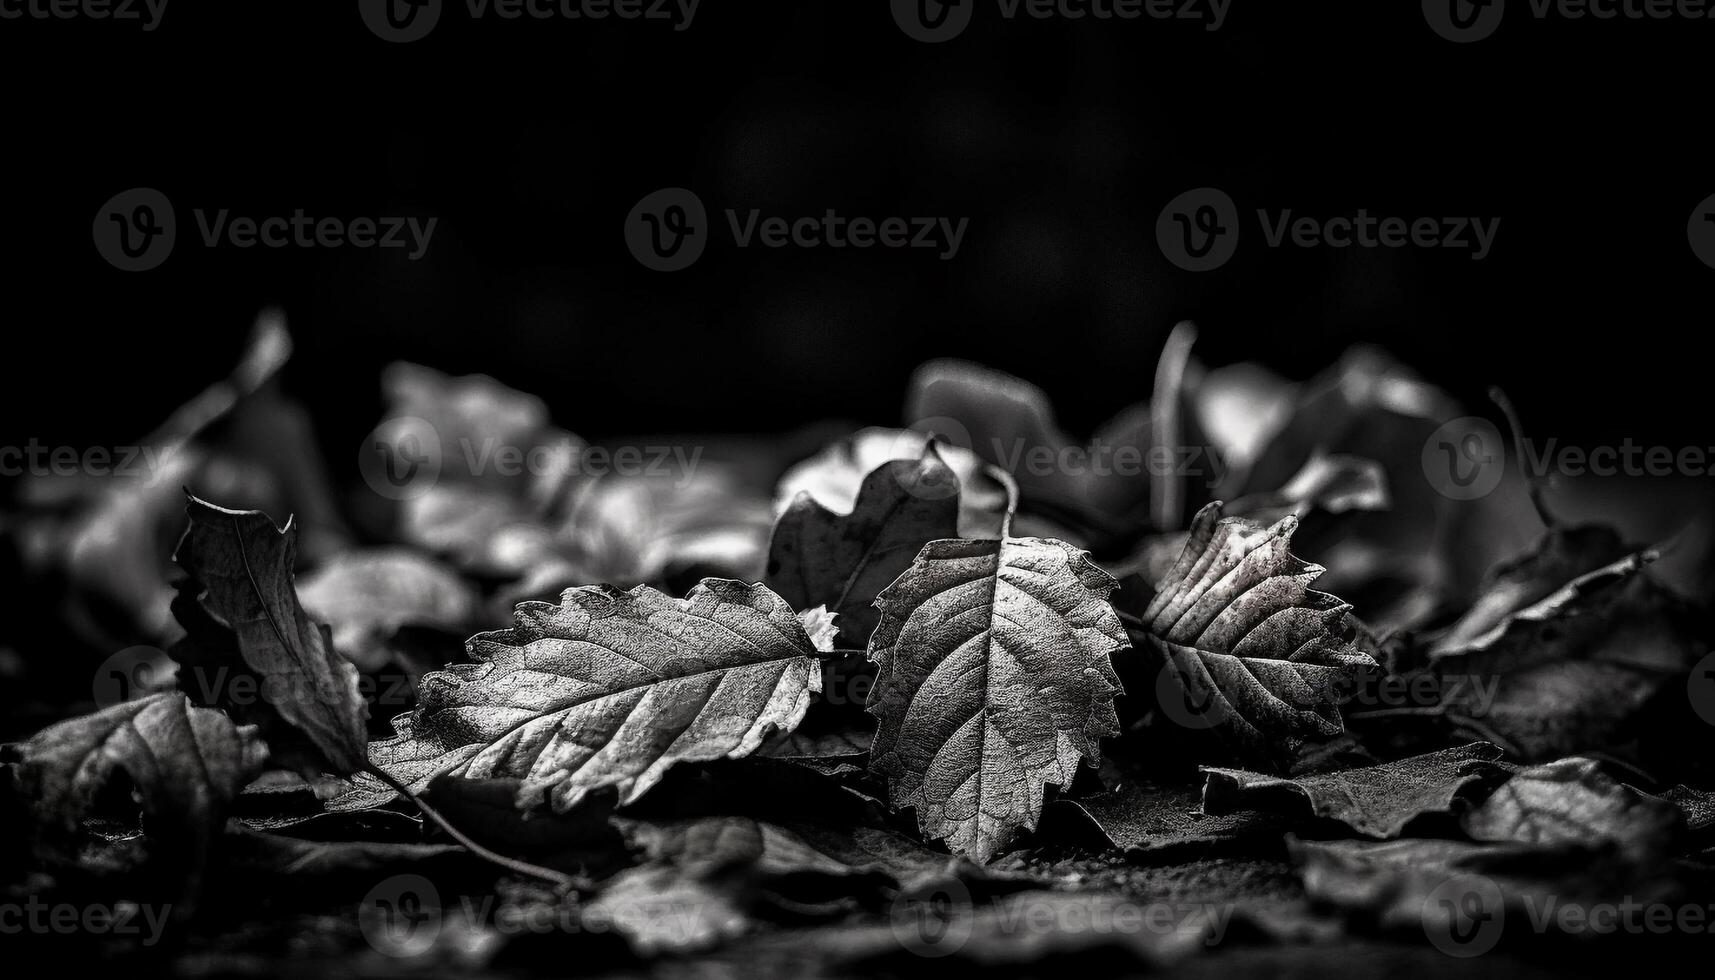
column 834, row 477
column 366, row 596
column 606, row 689
column 242, row 567
column 185, row 763
column 1248, row 639
column 993, row 680
column 843, row 561
column 1572, row 801
column 1376, row 801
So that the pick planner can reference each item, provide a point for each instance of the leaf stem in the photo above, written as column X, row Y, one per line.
column 1538, row 484
column 1166, row 501
column 562, row 882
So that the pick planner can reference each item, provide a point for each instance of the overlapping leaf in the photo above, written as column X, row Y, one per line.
column 367, row 596
column 817, row 557
column 1148, row 818
column 242, row 567
column 1105, row 489
column 1377, row 801
column 1572, row 801
column 1246, row 636
column 835, row 477
column 993, row 680
column 607, row 689
column 185, row 765
column 1570, row 667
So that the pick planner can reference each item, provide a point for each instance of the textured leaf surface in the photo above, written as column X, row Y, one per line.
column 1572, row 801
column 186, row 764
column 243, row 565
column 1248, row 638
column 830, row 753
column 706, row 878
column 993, row 680
column 367, row 596
column 1147, row 818
column 835, row 476
column 843, row 561
column 1377, row 801
column 1560, row 670
column 1697, row 806
column 607, row 689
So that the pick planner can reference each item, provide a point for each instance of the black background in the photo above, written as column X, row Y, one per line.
column 530, row 141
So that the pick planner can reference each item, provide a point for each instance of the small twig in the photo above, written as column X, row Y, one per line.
column 1166, row 502
column 562, row 882
column 1010, row 485
column 1538, row 484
